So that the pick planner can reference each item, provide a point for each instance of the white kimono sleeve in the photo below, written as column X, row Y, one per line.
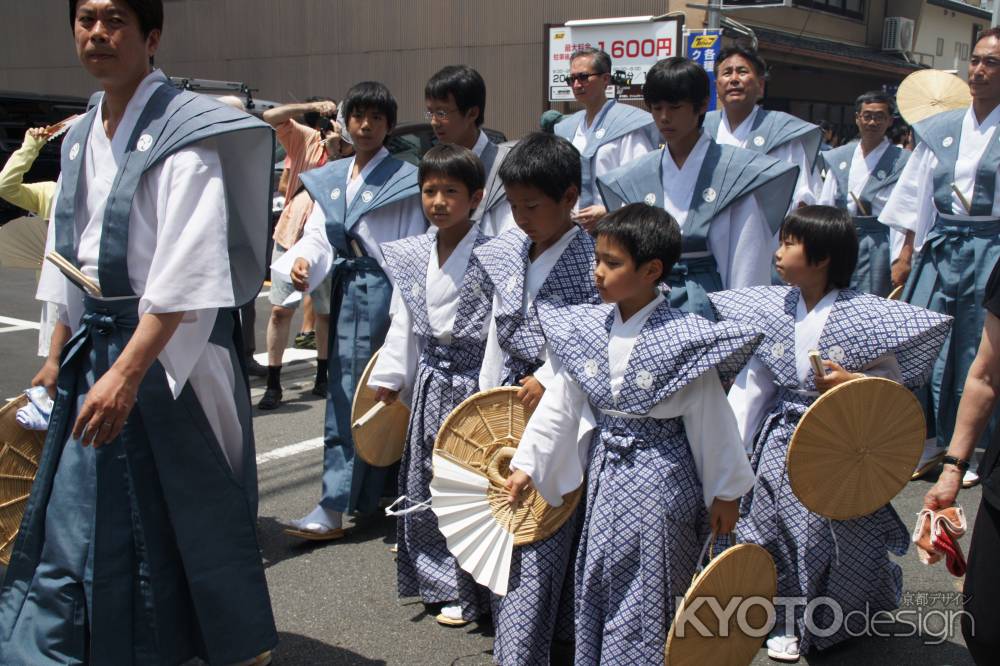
column 712, row 432
column 911, row 205
column 396, row 367
column 828, row 195
column 808, row 183
column 314, row 247
column 554, row 447
column 751, row 398
column 492, row 370
column 742, row 244
column 497, row 220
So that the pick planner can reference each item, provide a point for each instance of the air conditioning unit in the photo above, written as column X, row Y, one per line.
column 897, row 34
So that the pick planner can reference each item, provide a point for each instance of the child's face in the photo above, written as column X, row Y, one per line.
column 677, row 121
column 616, row 275
column 793, row 265
column 449, row 124
column 541, row 218
column 368, row 128
column 447, row 201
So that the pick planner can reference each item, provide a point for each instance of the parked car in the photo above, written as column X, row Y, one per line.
column 20, row 111
column 409, row 141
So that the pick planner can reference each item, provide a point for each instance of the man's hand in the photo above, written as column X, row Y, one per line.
column 325, row 108
column 47, row 377
column 589, row 217
column 517, row 484
column 723, row 515
column 300, row 274
column 388, row 396
column 38, row 133
column 943, row 493
column 835, row 376
column 900, row 270
column 104, row 411
column 530, row 393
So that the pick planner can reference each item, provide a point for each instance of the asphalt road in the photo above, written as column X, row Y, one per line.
column 336, row 603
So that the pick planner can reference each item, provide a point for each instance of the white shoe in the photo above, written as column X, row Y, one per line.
column 451, row 616
column 783, row 648
column 970, row 479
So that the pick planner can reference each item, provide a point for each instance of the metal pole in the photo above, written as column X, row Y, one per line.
column 714, row 12
column 996, row 14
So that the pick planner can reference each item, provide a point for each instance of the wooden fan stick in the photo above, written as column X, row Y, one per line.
column 817, row 363
column 861, row 206
column 369, row 415
column 74, row 274
column 961, row 197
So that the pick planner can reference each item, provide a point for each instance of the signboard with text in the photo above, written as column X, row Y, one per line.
column 703, row 47
column 634, row 47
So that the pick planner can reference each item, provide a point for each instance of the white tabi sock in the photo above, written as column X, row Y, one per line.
column 330, row 519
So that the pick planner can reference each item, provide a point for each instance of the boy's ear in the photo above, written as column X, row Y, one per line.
column 571, row 195
column 476, row 198
column 652, row 271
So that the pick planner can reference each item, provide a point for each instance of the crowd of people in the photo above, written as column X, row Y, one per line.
column 652, row 282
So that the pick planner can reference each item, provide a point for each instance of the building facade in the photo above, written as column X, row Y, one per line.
column 822, row 53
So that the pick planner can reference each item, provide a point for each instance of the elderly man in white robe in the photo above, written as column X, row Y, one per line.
column 138, row 544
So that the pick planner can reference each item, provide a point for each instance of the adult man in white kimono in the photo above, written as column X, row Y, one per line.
column 456, row 108
column 739, row 84
column 946, row 207
column 138, row 544
column 608, row 135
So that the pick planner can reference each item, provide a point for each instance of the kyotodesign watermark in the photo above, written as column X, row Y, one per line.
column 933, row 616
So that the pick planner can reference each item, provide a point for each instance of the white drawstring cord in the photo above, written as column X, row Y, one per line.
column 419, row 506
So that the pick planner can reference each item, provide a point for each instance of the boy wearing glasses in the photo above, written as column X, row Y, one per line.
column 607, row 134
column 859, row 179
column 946, row 209
column 456, row 108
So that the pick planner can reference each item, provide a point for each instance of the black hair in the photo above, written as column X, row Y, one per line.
column 748, row 54
column 989, row 32
column 315, row 120
column 825, row 232
column 646, row 232
column 874, row 97
column 676, row 80
column 150, row 13
column 452, row 161
column 463, row 83
column 602, row 61
column 546, row 161
column 370, row 95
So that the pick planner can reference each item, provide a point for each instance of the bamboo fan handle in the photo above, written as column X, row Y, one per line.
column 502, row 457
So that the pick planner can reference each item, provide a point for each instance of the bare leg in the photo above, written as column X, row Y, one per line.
column 277, row 333
column 322, row 336
column 308, row 315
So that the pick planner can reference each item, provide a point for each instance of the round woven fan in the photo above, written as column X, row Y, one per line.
column 744, row 571
column 379, row 436
column 19, row 453
column 856, row 447
column 22, row 243
column 482, row 433
column 928, row 92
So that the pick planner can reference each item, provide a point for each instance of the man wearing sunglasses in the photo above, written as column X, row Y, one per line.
column 859, row 179
column 607, row 134
column 946, row 207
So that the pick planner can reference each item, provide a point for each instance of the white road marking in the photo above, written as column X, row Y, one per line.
column 12, row 325
column 290, row 450
column 290, row 355
column 264, row 293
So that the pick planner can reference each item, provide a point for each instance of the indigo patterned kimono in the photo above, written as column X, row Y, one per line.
column 447, row 373
column 662, row 450
column 144, row 550
column 531, row 614
column 846, row 560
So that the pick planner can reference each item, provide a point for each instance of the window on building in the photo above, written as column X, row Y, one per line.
column 852, row 8
column 940, row 46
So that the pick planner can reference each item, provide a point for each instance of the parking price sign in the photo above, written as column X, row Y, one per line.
column 704, row 46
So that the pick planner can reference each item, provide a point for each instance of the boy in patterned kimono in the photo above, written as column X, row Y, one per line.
column 547, row 257
column 664, row 469
column 856, row 333
column 434, row 349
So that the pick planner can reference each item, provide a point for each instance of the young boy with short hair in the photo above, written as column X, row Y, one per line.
column 435, row 345
column 455, row 97
column 665, row 469
column 371, row 199
column 856, row 334
column 546, row 257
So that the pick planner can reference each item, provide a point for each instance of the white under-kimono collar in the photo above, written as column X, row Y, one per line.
column 970, row 122
column 133, row 110
column 808, row 329
column 741, row 131
column 354, row 185
column 622, row 340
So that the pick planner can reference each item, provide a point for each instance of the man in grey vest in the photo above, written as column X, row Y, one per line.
column 138, row 543
column 739, row 83
column 456, row 108
column 859, row 179
column 946, row 208
column 608, row 135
